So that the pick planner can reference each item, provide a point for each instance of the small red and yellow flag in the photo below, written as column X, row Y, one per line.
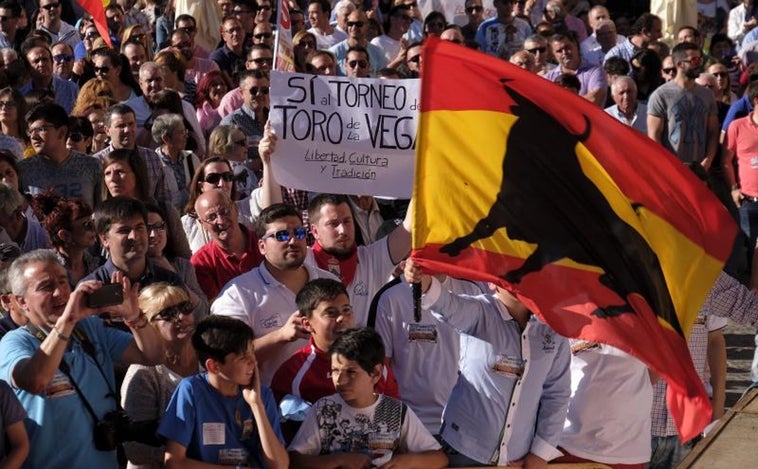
column 595, row 227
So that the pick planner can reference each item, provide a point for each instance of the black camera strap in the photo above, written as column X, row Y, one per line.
column 89, row 349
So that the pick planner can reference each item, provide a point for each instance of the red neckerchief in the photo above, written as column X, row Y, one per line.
column 342, row 268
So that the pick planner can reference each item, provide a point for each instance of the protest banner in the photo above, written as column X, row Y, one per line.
column 283, row 52
column 346, row 135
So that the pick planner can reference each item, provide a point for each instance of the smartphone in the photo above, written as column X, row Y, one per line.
column 109, row 294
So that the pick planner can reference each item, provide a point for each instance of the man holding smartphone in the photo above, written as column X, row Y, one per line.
column 61, row 364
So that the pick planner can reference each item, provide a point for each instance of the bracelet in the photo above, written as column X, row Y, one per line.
column 137, row 323
column 60, row 335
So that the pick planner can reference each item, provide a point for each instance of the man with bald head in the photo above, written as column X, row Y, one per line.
column 600, row 42
column 627, row 109
column 233, row 249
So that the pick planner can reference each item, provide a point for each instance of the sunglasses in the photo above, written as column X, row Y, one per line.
column 264, row 7
column 263, row 35
column 103, row 70
column 415, row 59
column 357, row 24
column 60, row 58
column 285, row 235
column 534, row 50
column 357, row 63
column 474, row 9
column 91, row 36
column 214, row 178
column 76, row 137
column 669, row 71
column 259, row 90
column 241, row 143
column 172, row 313
column 51, row 6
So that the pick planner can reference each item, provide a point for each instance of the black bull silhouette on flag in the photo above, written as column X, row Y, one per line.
column 546, row 199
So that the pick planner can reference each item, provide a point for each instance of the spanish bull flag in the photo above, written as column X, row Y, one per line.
column 595, row 227
column 96, row 8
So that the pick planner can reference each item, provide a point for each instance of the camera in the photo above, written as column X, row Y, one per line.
column 116, row 427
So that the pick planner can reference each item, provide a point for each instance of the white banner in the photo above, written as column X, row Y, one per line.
column 344, row 135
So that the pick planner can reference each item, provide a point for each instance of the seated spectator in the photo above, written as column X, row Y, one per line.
column 504, row 346
column 124, row 176
column 212, row 87
column 161, row 250
column 147, row 390
column 228, row 394
column 15, row 446
column 362, row 427
column 65, row 356
column 71, row 231
column 325, row 307
column 72, row 174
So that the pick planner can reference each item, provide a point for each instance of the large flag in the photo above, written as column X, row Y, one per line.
column 284, row 55
column 96, row 8
column 595, row 227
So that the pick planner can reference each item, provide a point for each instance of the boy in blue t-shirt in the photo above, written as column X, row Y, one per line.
column 357, row 427
column 223, row 416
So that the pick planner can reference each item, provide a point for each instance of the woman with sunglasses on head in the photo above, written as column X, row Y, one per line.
column 12, row 122
column 69, row 225
column 125, row 174
column 135, row 32
column 215, row 173
column 146, row 390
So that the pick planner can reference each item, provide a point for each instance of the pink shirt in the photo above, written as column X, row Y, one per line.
column 231, row 101
column 742, row 140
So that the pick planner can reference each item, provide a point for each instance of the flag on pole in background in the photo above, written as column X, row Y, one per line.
column 596, row 228
column 284, row 57
column 96, row 8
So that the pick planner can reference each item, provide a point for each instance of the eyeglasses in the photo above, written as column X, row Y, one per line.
column 76, row 137
column 50, row 6
column 263, row 35
column 259, row 90
column 222, row 211
column 60, row 58
column 415, row 59
column 474, row 9
column 91, row 36
column 103, row 70
column 357, row 24
column 262, row 61
column 214, row 178
column 7, row 104
column 159, row 227
column 720, row 74
column 357, row 63
column 534, row 50
column 283, row 236
column 41, row 129
column 172, row 313
column 241, row 143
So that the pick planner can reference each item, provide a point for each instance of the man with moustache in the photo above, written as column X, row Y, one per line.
column 683, row 116
column 233, row 249
column 264, row 298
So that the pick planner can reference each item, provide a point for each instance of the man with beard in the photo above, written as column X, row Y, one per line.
column 683, row 116
column 233, row 249
column 362, row 269
column 197, row 67
column 264, row 298
column 593, row 80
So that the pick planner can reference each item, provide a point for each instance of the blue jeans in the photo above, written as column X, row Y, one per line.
column 667, row 452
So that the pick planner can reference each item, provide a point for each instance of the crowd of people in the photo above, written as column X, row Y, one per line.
column 167, row 303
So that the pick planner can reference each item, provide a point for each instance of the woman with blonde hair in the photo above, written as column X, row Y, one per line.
column 303, row 43
column 89, row 93
column 146, row 390
column 136, row 33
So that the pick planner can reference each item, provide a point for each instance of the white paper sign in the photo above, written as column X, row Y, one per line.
column 344, row 135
